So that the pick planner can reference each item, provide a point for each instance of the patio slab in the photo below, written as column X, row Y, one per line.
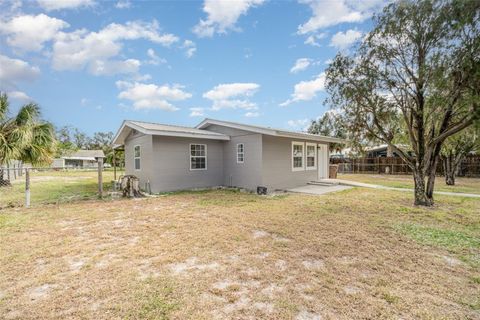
column 318, row 190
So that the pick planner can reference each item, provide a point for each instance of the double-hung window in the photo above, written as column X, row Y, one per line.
column 240, row 153
column 311, row 156
column 297, row 156
column 198, row 157
column 136, row 157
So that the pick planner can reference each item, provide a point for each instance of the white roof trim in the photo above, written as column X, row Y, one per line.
column 80, row 158
column 269, row 131
column 117, row 141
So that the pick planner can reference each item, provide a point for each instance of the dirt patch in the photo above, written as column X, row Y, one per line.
column 313, row 264
column 307, row 315
column 191, row 264
column 41, row 292
column 260, row 234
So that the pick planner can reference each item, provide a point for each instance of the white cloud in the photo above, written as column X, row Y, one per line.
column 301, row 64
column 197, row 112
column 232, row 96
column 343, row 40
column 19, row 95
column 80, row 49
column 112, row 67
column 50, row 5
column 84, row 101
column 123, row 4
column 152, row 96
column 190, row 47
column 154, row 59
column 313, row 39
column 222, row 16
column 252, row 114
column 13, row 71
column 301, row 124
column 330, row 13
column 29, row 33
column 306, row 90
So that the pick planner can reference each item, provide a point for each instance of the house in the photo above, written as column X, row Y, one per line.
column 384, row 150
column 80, row 159
column 221, row 153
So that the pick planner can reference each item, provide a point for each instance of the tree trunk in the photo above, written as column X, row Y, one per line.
column 421, row 198
column 432, row 171
column 449, row 170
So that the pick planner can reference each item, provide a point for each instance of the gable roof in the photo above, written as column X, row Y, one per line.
column 158, row 129
column 268, row 131
column 85, row 155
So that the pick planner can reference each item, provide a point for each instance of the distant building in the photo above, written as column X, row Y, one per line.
column 79, row 159
column 383, row 151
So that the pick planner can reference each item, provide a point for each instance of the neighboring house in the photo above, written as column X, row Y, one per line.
column 384, row 150
column 221, row 153
column 79, row 159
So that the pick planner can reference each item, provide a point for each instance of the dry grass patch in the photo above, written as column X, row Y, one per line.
column 222, row 254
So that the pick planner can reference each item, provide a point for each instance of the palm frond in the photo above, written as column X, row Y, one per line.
column 29, row 113
column 3, row 106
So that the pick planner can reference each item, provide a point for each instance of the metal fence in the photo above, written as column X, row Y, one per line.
column 39, row 186
column 469, row 167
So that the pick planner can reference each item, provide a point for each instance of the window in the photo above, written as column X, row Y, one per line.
column 297, row 156
column 240, row 153
column 136, row 157
column 311, row 156
column 198, row 157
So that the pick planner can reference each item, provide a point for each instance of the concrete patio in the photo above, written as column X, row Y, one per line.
column 318, row 189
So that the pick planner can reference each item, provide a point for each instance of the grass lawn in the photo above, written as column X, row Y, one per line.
column 55, row 187
column 465, row 185
column 360, row 253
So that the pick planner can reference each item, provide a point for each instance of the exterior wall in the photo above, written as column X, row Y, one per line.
column 145, row 143
column 248, row 174
column 170, row 166
column 277, row 164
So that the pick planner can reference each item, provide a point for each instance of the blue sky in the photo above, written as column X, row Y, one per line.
column 91, row 64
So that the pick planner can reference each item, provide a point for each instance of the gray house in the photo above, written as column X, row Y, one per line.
column 80, row 159
column 221, row 153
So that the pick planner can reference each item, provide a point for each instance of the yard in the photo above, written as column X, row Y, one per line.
column 463, row 185
column 49, row 186
column 360, row 253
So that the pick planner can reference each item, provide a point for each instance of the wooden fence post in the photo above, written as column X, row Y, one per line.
column 27, row 188
column 114, row 166
column 100, row 177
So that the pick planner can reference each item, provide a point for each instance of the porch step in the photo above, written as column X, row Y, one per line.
column 324, row 183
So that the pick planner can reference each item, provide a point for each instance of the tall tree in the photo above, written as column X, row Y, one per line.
column 25, row 136
column 330, row 124
column 419, row 65
column 455, row 149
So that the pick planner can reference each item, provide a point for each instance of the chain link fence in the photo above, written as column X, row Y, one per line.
column 54, row 185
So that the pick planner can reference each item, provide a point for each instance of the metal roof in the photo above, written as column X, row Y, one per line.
column 85, row 155
column 163, row 130
column 268, row 131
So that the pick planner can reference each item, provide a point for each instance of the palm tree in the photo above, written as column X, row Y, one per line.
column 25, row 137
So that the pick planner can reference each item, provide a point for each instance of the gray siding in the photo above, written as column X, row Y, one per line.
column 277, row 164
column 171, row 164
column 145, row 143
column 165, row 162
column 246, row 175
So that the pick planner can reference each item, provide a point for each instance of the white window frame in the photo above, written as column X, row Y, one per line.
column 297, row 143
column 190, row 158
column 314, row 145
column 241, row 153
column 139, row 157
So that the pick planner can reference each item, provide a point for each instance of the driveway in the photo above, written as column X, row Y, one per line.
column 318, row 189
